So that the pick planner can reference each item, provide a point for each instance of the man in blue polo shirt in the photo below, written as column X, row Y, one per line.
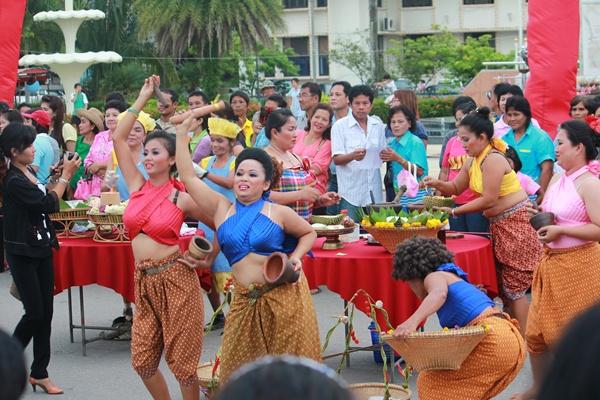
column 534, row 146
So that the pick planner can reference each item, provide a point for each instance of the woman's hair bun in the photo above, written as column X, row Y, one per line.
column 483, row 112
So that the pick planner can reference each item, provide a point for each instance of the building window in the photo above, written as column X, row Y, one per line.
column 295, row 3
column 469, row 2
column 379, row 3
column 321, row 3
column 476, row 35
column 302, row 58
column 417, row 3
column 323, row 55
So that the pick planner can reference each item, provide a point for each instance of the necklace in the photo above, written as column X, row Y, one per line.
column 283, row 154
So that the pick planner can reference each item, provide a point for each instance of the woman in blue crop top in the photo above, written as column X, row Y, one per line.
column 428, row 268
column 263, row 319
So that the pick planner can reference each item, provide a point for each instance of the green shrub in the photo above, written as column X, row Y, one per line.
column 380, row 109
column 433, row 107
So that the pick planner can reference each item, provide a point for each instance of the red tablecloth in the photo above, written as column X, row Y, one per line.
column 370, row 268
column 82, row 261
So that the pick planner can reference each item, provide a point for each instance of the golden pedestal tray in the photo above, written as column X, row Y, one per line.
column 332, row 241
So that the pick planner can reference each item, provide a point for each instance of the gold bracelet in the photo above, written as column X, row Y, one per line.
column 63, row 180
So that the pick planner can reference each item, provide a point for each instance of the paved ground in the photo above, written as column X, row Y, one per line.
column 105, row 373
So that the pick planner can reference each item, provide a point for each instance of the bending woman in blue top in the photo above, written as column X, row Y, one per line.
column 262, row 319
column 428, row 268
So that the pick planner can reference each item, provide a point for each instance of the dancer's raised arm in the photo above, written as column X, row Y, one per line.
column 133, row 177
column 207, row 199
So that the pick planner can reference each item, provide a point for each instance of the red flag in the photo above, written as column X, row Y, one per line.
column 11, row 20
column 553, row 50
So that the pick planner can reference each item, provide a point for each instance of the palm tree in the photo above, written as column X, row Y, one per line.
column 207, row 25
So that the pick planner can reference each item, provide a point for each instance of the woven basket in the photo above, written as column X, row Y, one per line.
column 437, row 350
column 364, row 391
column 437, row 201
column 73, row 214
column 390, row 238
column 327, row 219
column 106, row 219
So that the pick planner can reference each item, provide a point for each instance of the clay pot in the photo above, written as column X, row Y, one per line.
column 278, row 269
column 542, row 219
column 200, row 247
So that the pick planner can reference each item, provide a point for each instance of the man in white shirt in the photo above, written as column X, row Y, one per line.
column 338, row 100
column 293, row 98
column 310, row 96
column 356, row 141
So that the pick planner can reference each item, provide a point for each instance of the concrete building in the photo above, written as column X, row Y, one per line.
column 314, row 26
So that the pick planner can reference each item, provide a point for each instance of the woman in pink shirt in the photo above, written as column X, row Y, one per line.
column 566, row 281
column 314, row 144
column 452, row 161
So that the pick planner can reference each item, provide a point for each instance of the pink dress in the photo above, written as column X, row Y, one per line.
column 100, row 152
column 454, row 158
column 528, row 184
column 318, row 153
column 568, row 207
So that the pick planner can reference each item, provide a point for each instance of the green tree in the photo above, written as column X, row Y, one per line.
column 471, row 56
column 354, row 56
column 41, row 37
column 425, row 57
column 208, row 25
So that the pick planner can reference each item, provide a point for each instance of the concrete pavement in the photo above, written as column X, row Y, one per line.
column 105, row 373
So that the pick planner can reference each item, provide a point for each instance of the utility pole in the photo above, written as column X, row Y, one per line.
column 376, row 57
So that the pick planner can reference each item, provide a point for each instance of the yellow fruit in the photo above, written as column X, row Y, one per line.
column 416, row 224
column 406, row 225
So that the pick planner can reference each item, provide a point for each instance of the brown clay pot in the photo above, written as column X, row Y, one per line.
column 278, row 269
column 200, row 247
column 542, row 219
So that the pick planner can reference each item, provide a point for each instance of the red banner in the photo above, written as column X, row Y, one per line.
column 11, row 20
column 553, row 50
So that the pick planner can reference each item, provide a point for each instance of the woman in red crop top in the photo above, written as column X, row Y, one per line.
column 263, row 319
column 170, row 313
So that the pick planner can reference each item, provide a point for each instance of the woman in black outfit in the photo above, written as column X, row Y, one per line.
column 28, row 240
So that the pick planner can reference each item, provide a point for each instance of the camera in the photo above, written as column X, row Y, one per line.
column 71, row 155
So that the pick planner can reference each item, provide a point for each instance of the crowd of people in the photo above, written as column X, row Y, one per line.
column 252, row 183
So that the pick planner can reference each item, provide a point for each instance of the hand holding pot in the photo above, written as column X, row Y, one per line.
column 550, row 233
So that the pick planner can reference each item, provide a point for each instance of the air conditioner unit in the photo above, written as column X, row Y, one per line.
column 386, row 24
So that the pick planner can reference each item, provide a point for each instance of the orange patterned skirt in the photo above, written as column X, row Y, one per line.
column 517, row 250
column 169, row 317
column 265, row 320
column 565, row 285
column 487, row 371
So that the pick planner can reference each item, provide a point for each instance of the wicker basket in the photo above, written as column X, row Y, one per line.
column 364, row 391
column 390, row 238
column 437, row 201
column 327, row 219
column 106, row 219
column 71, row 214
column 437, row 350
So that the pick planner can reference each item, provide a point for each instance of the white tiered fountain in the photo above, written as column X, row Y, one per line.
column 69, row 65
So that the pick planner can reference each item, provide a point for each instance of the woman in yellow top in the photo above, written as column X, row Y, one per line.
column 488, row 173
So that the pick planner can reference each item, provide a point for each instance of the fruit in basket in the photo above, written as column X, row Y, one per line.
column 388, row 218
column 116, row 209
column 327, row 219
column 437, row 201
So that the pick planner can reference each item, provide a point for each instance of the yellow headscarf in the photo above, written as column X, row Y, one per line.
column 143, row 118
column 222, row 127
